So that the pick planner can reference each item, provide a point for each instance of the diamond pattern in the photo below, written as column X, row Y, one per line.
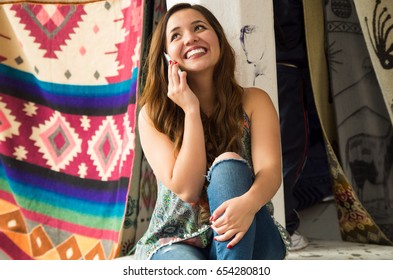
column 105, row 148
column 19, row 60
column 50, row 16
column 57, row 141
column 51, row 25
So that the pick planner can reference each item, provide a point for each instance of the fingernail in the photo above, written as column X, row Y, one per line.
column 170, row 61
column 215, row 239
column 229, row 246
column 211, row 218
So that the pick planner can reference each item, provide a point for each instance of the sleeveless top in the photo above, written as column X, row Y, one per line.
column 174, row 220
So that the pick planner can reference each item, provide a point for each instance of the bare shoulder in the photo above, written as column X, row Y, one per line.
column 143, row 112
column 143, row 116
column 254, row 99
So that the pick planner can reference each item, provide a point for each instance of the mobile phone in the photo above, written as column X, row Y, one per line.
column 168, row 58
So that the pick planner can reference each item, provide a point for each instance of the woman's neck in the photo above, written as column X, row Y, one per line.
column 203, row 87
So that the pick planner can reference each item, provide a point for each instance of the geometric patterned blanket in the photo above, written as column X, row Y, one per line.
column 68, row 83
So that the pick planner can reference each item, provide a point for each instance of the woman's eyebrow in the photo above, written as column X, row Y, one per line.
column 192, row 23
column 197, row 21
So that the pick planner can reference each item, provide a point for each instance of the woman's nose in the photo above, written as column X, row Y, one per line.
column 190, row 38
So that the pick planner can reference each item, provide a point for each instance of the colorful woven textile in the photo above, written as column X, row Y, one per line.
column 68, row 82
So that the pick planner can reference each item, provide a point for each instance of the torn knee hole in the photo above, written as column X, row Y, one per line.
column 227, row 155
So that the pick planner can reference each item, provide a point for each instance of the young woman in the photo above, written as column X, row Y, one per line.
column 214, row 148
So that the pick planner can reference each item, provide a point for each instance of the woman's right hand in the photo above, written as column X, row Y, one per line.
column 179, row 91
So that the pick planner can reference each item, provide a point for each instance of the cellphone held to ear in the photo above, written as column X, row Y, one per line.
column 168, row 58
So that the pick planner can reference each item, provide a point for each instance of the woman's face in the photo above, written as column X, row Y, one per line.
column 191, row 41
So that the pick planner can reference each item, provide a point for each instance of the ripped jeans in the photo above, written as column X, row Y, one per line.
column 229, row 178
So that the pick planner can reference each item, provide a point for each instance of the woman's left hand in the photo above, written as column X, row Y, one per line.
column 233, row 219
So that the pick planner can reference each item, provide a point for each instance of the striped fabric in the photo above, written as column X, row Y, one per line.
column 68, row 82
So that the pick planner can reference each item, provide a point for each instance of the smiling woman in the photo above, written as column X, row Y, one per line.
column 220, row 144
column 192, row 42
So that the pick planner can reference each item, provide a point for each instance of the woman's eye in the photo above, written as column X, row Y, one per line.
column 174, row 36
column 199, row 27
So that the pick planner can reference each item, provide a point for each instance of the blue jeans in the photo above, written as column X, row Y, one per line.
column 227, row 179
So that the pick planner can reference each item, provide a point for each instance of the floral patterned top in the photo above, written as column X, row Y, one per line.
column 174, row 220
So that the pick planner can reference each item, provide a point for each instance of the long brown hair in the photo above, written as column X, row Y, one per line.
column 223, row 129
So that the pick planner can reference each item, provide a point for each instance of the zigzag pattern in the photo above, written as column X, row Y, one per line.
column 50, row 25
column 37, row 244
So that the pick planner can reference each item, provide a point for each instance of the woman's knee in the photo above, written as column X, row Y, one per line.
column 227, row 155
column 228, row 164
column 229, row 174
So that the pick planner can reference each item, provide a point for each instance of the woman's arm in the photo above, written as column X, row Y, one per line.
column 266, row 147
column 181, row 172
column 234, row 217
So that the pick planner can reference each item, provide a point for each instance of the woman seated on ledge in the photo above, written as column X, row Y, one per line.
column 214, row 148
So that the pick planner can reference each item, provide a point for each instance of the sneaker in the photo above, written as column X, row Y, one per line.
column 298, row 242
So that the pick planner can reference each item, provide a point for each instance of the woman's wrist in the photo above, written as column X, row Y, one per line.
column 192, row 111
column 253, row 201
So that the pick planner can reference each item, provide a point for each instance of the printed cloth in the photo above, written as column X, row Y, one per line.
column 365, row 132
column 375, row 18
column 143, row 193
column 358, row 144
column 68, row 82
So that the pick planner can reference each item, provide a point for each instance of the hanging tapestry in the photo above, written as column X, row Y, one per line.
column 377, row 25
column 364, row 178
column 143, row 192
column 68, row 82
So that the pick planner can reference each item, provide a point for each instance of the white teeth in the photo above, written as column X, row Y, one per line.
column 193, row 52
